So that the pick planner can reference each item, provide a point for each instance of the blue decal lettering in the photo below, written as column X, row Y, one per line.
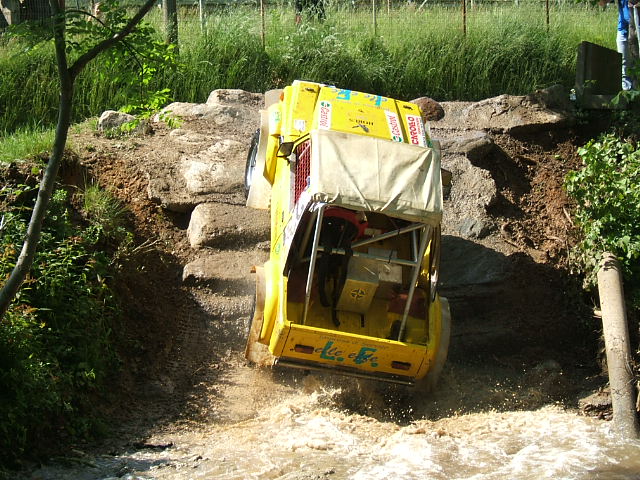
column 329, row 352
column 344, row 95
column 364, row 355
column 377, row 99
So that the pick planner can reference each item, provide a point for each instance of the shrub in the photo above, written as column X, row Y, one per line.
column 608, row 207
column 55, row 340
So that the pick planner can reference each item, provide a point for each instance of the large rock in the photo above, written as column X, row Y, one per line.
column 555, row 97
column 110, row 120
column 212, row 174
column 472, row 191
column 229, row 272
column 475, row 145
column 234, row 109
column 235, row 97
column 431, row 110
column 468, row 269
column 218, row 114
column 218, row 169
column 505, row 114
column 221, row 225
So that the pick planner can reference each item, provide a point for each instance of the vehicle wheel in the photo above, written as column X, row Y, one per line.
column 429, row 382
column 255, row 352
column 250, row 167
column 250, row 323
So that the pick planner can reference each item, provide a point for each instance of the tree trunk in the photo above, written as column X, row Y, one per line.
column 67, row 76
column 27, row 254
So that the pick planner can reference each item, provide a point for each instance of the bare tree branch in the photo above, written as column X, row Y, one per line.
column 82, row 61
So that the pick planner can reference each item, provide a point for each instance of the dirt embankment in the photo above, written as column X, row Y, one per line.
column 522, row 337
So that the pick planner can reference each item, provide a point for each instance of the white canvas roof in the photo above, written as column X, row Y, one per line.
column 377, row 175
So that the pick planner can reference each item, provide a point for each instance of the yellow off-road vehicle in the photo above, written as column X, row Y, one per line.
column 354, row 188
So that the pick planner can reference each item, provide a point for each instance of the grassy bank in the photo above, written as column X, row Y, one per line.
column 506, row 50
column 56, row 341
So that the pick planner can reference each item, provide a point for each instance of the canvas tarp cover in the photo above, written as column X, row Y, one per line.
column 376, row 175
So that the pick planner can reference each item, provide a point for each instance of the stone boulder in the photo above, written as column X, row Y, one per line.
column 206, row 176
column 220, row 225
column 475, row 145
column 229, row 271
column 431, row 110
column 468, row 268
column 473, row 190
column 233, row 109
column 235, row 97
column 218, row 169
column 506, row 114
column 110, row 120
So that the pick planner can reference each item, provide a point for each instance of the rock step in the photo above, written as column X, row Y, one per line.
column 228, row 317
column 222, row 225
column 540, row 111
column 208, row 175
column 225, row 272
column 459, row 277
column 227, row 307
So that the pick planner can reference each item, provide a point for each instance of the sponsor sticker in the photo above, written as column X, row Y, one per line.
column 324, row 120
column 330, row 351
column 394, row 126
column 275, row 120
column 416, row 132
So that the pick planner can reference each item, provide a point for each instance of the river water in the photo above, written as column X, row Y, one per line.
column 307, row 433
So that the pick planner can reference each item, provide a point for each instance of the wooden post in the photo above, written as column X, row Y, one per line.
column 170, row 10
column 546, row 6
column 201, row 8
column 616, row 341
column 262, row 28
column 464, row 17
column 375, row 18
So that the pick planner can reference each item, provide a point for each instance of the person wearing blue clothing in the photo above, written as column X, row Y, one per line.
column 622, row 42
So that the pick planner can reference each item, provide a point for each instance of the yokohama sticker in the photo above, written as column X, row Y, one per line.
column 416, row 130
column 394, row 126
column 324, row 120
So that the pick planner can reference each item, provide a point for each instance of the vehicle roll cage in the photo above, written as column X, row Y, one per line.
column 420, row 235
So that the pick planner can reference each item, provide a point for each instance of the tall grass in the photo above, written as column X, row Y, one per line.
column 25, row 143
column 507, row 49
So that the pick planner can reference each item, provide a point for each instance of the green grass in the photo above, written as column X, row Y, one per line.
column 507, row 50
column 25, row 143
column 102, row 208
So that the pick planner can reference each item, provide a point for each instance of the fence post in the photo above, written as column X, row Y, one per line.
column 547, row 10
column 375, row 18
column 262, row 31
column 464, row 17
column 201, row 7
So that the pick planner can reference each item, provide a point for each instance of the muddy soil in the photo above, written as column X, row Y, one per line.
column 522, row 339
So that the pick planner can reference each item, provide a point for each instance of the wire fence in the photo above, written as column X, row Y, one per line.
column 379, row 12
column 347, row 12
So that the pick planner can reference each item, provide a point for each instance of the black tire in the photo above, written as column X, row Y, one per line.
column 253, row 314
column 250, row 167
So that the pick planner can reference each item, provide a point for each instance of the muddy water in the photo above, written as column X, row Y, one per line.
column 261, row 428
